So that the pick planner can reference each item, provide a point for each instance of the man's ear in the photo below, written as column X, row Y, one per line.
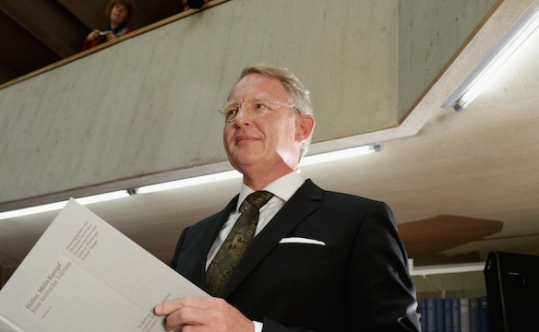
column 304, row 127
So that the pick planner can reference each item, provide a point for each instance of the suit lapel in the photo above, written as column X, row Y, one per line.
column 300, row 206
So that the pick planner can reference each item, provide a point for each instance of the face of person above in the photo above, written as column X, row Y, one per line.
column 118, row 14
column 264, row 144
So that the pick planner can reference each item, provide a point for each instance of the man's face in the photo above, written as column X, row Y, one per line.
column 270, row 142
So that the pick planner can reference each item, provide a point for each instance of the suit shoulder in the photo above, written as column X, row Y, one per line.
column 205, row 222
column 339, row 196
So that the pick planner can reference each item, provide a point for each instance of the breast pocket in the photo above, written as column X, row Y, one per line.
column 302, row 249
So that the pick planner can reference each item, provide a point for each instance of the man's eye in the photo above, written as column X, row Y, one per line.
column 231, row 111
column 260, row 107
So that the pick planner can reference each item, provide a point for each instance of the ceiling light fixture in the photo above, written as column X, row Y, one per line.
column 341, row 154
column 308, row 160
column 508, row 44
column 60, row 205
column 188, row 182
column 449, row 268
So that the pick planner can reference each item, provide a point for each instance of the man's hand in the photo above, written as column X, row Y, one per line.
column 203, row 315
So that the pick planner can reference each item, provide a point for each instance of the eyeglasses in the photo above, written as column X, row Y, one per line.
column 254, row 108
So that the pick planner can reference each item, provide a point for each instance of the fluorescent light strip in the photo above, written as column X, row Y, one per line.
column 444, row 269
column 60, row 205
column 340, row 154
column 188, row 182
column 510, row 42
column 308, row 160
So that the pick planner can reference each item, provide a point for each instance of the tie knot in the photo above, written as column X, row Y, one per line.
column 257, row 199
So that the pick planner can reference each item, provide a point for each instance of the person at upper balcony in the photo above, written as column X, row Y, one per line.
column 120, row 13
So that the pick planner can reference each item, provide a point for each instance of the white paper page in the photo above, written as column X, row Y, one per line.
column 85, row 275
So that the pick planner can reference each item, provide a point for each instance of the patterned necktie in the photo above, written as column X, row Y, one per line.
column 236, row 242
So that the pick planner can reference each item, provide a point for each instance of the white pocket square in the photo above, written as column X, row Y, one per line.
column 301, row 240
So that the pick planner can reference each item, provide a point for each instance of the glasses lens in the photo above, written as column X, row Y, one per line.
column 230, row 111
column 254, row 109
column 259, row 108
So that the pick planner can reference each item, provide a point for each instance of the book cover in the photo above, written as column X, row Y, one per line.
column 83, row 274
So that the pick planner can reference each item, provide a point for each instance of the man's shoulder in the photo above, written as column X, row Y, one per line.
column 206, row 222
column 342, row 196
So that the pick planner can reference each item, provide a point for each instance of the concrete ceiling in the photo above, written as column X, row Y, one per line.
column 467, row 183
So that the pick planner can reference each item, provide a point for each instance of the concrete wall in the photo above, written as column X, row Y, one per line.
column 148, row 105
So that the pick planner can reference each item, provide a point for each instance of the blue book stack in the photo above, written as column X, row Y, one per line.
column 454, row 315
column 428, row 315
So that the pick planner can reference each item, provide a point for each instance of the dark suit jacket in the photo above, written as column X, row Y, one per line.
column 358, row 281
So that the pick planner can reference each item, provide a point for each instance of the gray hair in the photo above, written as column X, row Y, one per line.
column 299, row 96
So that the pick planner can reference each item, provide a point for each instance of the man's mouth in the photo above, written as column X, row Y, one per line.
column 241, row 139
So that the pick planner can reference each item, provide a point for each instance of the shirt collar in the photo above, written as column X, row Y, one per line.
column 284, row 187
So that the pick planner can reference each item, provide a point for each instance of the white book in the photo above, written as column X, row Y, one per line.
column 84, row 275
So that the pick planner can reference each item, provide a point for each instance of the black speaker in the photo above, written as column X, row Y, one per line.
column 512, row 282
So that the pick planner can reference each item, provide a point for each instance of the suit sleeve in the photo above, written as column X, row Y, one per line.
column 380, row 291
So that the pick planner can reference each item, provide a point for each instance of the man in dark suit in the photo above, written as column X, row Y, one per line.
column 319, row 260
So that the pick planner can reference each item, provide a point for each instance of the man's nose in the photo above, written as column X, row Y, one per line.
column 243, row 114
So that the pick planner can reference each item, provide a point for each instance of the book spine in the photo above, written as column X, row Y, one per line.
column 423, row 314
column 431, row 316
column 474, row 314
column 448, row 315
column 440, row 315
column 456, row 314
column 464, row 315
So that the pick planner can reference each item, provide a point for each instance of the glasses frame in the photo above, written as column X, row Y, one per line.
column 252, row 114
